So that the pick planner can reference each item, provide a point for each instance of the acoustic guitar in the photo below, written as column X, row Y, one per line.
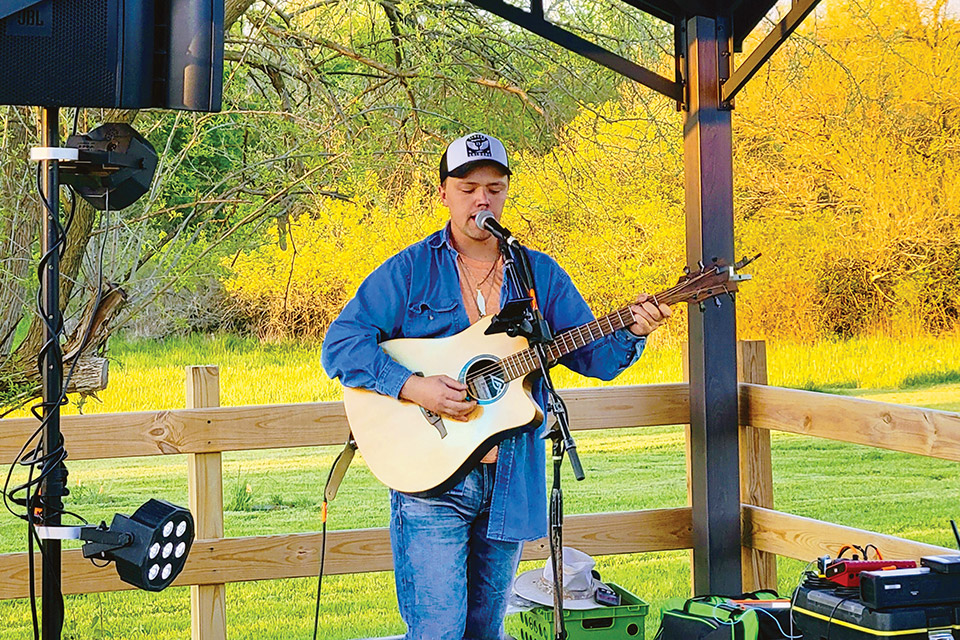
column 414, row 450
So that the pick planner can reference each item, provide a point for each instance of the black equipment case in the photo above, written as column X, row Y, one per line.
column 839, row 614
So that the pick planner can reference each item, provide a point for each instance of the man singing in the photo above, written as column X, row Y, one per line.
column 455, row 554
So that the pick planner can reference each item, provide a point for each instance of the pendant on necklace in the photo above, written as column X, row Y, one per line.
column 481, row 303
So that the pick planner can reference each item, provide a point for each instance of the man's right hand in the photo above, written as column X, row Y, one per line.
column 440, row 394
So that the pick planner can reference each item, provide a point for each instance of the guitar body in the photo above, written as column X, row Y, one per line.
column 414, row 451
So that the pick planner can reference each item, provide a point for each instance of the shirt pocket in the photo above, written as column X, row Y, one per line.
column 431, row 319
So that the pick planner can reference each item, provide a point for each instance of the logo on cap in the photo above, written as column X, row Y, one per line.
column 478, row 145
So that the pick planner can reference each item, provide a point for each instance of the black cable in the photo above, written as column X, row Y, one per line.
column 323, row 541
column 33, row 587
column 834, row 612
column 323, row 553
column 815, row 582
column 48, row 458
column 796, row 591
column 876, row 551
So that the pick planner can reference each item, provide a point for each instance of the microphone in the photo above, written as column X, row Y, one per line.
column 486, row 221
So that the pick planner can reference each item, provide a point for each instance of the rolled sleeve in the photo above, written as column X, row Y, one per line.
column 629, row 340
column 392, row 378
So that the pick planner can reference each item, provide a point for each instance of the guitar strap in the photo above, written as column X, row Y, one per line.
column 339, row 469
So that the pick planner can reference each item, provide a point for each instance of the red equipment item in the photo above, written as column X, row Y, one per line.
column 846, row 573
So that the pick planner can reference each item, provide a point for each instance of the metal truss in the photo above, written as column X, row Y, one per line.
column 535, row 22
column 742, row 74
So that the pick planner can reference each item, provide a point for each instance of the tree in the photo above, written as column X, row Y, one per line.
column 321, row 99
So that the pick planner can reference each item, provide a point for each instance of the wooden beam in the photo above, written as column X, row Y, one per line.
column 147, row 433
column 648, row 405
column 807, row 539
column 354, row 551
column 712, row 334
column 741, row 76
column 925, row 432
column 581, row 46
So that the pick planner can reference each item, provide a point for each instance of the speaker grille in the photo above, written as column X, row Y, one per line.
column 75, row 63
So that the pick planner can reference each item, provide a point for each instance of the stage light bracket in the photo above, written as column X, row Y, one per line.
column 99, row 538
column 111, row 167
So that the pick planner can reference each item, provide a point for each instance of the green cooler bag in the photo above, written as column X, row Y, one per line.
column 709, row 618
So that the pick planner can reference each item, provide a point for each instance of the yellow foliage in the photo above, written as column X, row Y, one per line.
column 298, row 287
column 846, row 154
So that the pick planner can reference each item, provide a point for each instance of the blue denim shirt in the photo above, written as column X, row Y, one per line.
column 416, row 294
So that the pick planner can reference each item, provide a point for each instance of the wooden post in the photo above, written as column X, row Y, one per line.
column 687, row 451
column 756, row 471
column 685, row 364
column 208, row 602
column 712, row 334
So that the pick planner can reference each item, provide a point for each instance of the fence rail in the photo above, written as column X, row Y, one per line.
column 204, row 430
column 925, row 432
column 253, row 427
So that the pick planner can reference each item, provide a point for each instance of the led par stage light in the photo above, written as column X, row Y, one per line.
column 151, row 546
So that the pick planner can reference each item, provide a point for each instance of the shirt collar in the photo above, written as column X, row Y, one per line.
column 441, row 239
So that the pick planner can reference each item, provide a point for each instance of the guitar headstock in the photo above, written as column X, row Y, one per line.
column 710, row 281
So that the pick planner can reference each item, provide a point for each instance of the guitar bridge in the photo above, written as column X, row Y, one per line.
column 435, row 420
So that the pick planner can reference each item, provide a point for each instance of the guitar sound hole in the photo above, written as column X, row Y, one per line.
column 484, row 378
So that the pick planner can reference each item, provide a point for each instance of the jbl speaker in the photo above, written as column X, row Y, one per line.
column 129, row 54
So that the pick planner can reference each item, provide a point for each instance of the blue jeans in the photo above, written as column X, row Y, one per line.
column 452, row 581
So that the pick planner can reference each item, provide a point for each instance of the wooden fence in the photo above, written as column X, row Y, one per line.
column 203, row 430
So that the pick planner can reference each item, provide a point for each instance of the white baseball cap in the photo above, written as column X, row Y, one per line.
column 462, row 153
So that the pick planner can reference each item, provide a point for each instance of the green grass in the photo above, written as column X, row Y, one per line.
column 276, row 491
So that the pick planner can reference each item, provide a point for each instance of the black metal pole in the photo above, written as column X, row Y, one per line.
column 52, row 488
column 556, row 541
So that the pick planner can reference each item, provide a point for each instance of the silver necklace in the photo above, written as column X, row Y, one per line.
column 481, row 301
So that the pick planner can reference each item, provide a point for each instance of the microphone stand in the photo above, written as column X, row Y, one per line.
column 528, row 321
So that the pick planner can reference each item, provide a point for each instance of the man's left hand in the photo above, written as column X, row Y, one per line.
column 647, row 315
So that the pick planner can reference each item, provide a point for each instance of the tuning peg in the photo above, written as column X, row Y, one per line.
column 703, row 307
column 717, row 302
column 715, row 259
column 745, row 261
column 700, row 264
column 686, row 270
column 732, row 295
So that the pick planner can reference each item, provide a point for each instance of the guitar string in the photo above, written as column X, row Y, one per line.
column 491, row 370
column 516, row 360
column 564, row 337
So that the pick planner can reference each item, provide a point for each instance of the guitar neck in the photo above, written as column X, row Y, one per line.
column 523, row 362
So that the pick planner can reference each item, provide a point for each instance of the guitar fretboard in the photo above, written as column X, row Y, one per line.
column 708, row 283
column 526, row 361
